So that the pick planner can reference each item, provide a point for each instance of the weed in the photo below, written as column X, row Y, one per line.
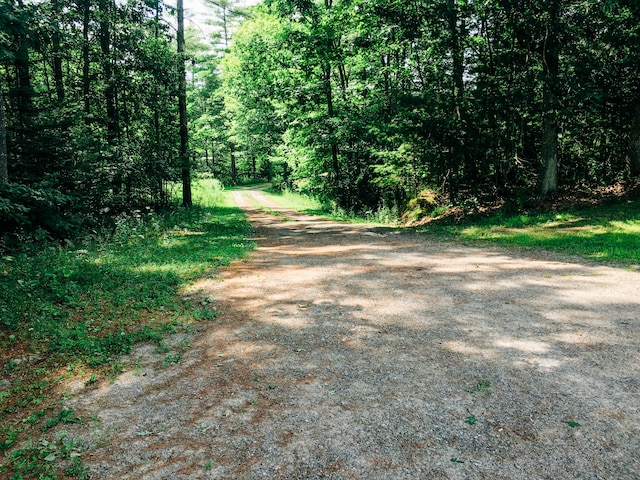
column 34, row 417
column 171, row 360
column 91, row 380
column 208, row 465
column 204, row 314
column 203, row 428
column 162, row 347
column 38, row 459
column 77, row 468
column 115, row 369
column 572, row 424
column 9, row 441
column 471, row 420
column 64, row 416
column 482, row 386
column 10, row 366
column 456, row 460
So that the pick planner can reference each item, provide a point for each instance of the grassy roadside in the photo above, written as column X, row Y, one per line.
column 604, row 233
column 311, row 206
column 73, row 312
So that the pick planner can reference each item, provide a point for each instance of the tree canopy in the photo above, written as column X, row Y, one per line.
column 366, row 104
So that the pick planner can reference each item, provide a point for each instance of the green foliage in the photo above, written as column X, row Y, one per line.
column 38, row 459
column 64, row 416
column 485, row 385
column 79, row 308
column 31, row 213
column 365, row 106
column 75, row 156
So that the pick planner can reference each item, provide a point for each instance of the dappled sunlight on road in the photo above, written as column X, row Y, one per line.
column 527, row 346
column 333, row 334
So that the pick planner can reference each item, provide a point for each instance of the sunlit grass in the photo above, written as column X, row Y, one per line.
column 312, row 206
column 295, row 201
column 606, row 233
column 78, row 309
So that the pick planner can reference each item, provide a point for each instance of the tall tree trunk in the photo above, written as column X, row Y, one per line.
column 457, row 147
column 330, row 112
column 24, row 94
column 182, row 107
column 57, row 54
column 335, row 163
column 86, row 11
column 234, row 168
column 548, row 180
column 110, row 89
column 4, row 174
column 634, row 143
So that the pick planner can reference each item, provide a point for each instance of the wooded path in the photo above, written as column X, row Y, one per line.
column 347, row 351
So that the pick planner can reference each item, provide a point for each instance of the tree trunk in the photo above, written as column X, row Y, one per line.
column 182, row 106
column 634, row 144
column 110, row 90
column 234, row 169
column 24, row 93
column 85, row 57
column 548, row 181
column 334, row 146
column 457, row 148
column 57, row 54
column 4, row 174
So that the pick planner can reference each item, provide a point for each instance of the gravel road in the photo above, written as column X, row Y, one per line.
column 356, row 352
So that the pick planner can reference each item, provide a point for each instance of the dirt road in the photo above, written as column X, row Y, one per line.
column 352, row 352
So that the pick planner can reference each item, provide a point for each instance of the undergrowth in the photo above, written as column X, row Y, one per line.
column 72, row 312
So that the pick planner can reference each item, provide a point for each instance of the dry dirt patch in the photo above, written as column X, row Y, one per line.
column 352, row 352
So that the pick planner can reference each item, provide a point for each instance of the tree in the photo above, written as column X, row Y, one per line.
column 548, row 181
column 182, row 105
column 4, row 174
column 227, row 15
column 108, row 137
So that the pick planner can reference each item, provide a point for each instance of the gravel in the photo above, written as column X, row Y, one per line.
column 351, row 352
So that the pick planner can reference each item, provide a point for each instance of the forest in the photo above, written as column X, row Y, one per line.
column 106, row 108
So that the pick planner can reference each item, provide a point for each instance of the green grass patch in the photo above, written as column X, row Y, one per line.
column 312, row 206
column 74, row 311
column 608, row 233
column 297, row 202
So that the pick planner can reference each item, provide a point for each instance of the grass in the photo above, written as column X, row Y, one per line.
column 296, row 201
column 482, row 386
column 606, row 233
column 73, row 312
column 311, row 206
